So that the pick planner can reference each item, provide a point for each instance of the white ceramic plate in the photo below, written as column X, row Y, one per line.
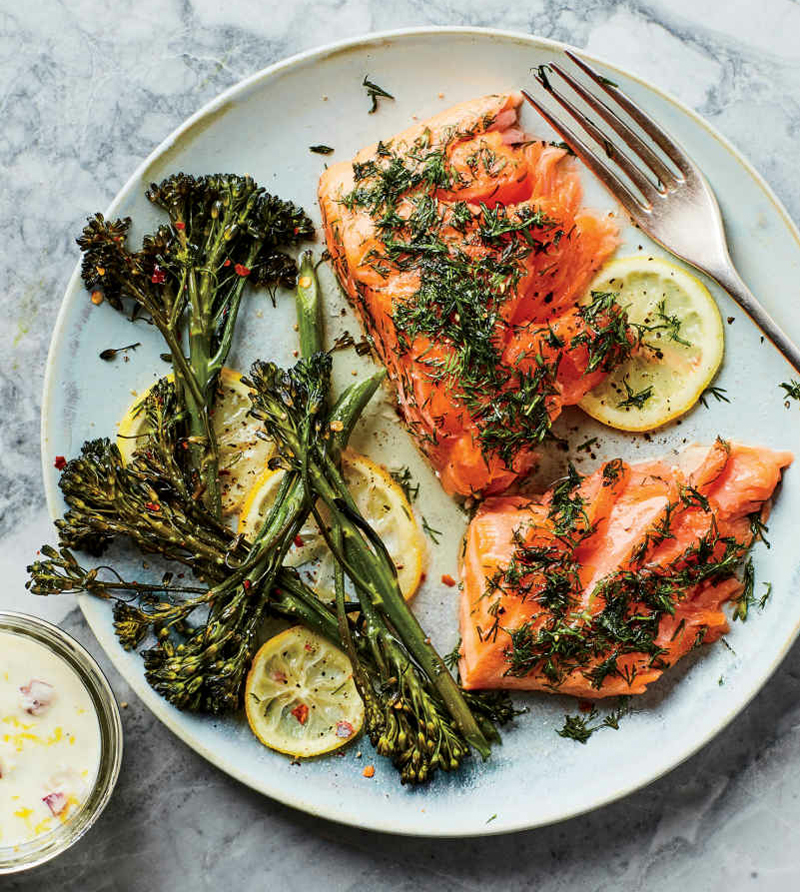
column 263, row 126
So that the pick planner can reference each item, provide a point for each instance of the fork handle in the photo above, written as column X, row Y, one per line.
column 732, row 282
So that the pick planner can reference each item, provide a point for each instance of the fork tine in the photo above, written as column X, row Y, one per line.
column 647, row 124
column 645, row 153
column 641, row 182
column 601, row 170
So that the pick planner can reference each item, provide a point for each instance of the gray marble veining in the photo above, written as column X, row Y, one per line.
column 87, row 88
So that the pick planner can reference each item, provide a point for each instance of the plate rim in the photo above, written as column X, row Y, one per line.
column 155, row 703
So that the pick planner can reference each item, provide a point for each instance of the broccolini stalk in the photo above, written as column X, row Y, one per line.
column 189, row 279
column 140, row 502
column 287, row 404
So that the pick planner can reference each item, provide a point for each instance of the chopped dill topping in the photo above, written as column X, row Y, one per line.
column 402, row 477
column 374, row 92
column 691, row 496
column 587, row 446
column 634, row 603
column 431, row 532
column 564, row 146
column 717, row 392
column 459, row 304
column 321, row 150
column 612, row 471
column 634, row 400
column 747, row 597
column 607, row 339
column 566, row 507
column 669, row 324
column 758, row 528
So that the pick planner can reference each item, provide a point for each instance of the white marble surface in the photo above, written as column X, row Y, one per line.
column 87, row 88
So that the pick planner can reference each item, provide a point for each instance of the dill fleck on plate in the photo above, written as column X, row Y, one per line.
column 792, row 390
column 431, row 532
column 321, row 150
column 581, row 727
column 111, row 352
column 717, row 392
column 374, row 92
column 402, row 477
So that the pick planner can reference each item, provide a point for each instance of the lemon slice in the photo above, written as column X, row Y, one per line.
column 682, row 344
column 380, row 500
column 242, row 454
column 300, row 697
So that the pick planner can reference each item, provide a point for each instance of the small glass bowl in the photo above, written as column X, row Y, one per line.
column 48, row 845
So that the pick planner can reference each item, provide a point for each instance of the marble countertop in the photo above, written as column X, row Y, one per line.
column 87, row 88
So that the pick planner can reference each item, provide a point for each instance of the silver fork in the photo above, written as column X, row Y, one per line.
column 679, row 210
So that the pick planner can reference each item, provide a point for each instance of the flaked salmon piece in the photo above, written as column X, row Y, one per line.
column 465, row 251
column 595, row 588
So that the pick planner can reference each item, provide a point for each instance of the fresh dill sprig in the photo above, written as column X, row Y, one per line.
column 402, row 477
column 433, row 534
column 374, row 92
column 717, row 392
column 581, row 727
column 635, row 400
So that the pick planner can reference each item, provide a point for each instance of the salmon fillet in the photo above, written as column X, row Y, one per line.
column 465, row 251
column 597, row 587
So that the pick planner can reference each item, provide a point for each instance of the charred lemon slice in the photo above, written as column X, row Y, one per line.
column 242, row 454
column 681, row 344
column 300, row 697
column 380, row 500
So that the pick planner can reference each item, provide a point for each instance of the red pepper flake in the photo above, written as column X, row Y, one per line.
column 280, row 677
column 344, row 730
column 152, row 506
column 158, row 276
column 585, row 705
column 180, row 225
column 60, row 463
column 298, row 541
column 369, row 771
column 300, row 712
column 241, row 270
column 246, row 583
column 447, row 579
column 227, row 261
column 308, row 648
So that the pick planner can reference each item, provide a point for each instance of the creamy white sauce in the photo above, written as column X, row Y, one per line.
column 49, row 740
